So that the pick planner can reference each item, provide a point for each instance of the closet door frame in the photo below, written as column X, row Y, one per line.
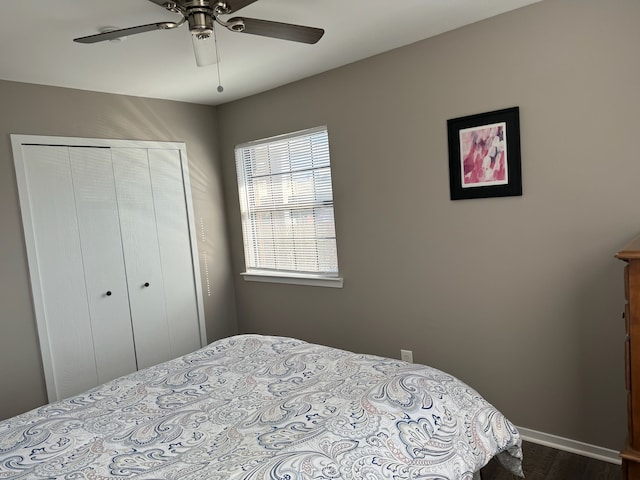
column 17, row 142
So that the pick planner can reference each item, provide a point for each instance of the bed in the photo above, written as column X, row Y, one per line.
column 254, row 407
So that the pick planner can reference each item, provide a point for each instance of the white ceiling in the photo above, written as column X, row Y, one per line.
column 36, row 43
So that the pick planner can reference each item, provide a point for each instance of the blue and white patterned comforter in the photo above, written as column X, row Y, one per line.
column 252, row 407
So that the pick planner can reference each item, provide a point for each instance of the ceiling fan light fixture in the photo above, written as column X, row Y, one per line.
column 204, row 48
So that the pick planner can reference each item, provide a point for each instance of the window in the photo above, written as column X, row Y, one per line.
column 286, row 203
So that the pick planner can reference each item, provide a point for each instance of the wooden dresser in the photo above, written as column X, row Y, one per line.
column 631, row 453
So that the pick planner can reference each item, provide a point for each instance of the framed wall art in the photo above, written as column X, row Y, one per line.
column 484, row 155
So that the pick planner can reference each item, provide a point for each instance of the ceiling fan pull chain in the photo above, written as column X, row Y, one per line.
column 215, row 40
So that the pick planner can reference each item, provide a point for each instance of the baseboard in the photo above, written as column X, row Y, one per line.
column 568, row 445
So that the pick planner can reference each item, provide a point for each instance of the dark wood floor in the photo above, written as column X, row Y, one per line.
column 544, row 463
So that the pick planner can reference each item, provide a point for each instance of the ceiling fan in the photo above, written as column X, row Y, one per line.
column 201, row 16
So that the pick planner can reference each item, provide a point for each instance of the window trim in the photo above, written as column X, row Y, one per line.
column 293, row 278
column 323, row 279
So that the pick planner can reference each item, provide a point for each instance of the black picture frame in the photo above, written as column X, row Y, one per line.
column 484, row 155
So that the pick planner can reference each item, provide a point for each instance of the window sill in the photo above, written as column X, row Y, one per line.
column 293, row 279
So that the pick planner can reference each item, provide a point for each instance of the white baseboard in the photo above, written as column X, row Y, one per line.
column 568, row 445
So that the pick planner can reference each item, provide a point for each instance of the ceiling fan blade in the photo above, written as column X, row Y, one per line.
column 124, row 32
column 284, row 31
column 235, row 5
column 204, row 50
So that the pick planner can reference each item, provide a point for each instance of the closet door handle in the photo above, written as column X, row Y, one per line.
column 108, row 293
column 146, row 284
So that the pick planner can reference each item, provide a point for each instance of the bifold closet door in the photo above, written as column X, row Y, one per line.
column 72, row 229
column 165, row 167
column 142, row 256
column 112, row 258
column 102, row 256
column 158, row 257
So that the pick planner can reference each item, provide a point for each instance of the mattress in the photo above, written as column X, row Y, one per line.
column 253, row 407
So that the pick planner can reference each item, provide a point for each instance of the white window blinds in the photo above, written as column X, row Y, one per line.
column 286, row 202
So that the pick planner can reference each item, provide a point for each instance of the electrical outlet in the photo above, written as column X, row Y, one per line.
column 406, row 356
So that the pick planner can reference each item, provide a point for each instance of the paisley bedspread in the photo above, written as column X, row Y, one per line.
column 254, row 407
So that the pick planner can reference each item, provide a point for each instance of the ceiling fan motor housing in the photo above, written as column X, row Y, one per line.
column 200, row 22
column 200, row 16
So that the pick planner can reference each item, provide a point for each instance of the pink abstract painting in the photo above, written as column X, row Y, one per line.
column 483, row 155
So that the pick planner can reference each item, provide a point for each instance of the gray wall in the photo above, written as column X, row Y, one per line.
column 521, row 297
column 38, row 110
